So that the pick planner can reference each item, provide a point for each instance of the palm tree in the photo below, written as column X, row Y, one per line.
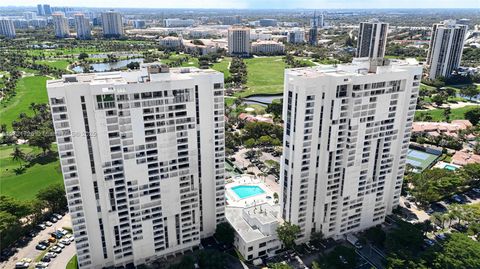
column 17, row 155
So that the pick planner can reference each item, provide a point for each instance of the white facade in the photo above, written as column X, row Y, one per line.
column 178, row 22
column 29, row 15
column 82, row 26
column 347, row 130
column 255, row 229
column 268, row 47
column 239, row 41
column 296, row 36
column 142, row 155
column 7, row 28
column 60, row 24
column 112, row 24
column 446, row 48
column 172, row 42
column 372, row 39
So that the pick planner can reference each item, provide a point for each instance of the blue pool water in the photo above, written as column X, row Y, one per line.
column 450, row 167
column 243, row 191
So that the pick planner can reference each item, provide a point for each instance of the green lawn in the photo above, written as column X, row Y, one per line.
column 29, row 90
column 73, row 263
column 60, row 64
column 44, row 171
column 437, row 114
column 265, row 76
column 223, row 67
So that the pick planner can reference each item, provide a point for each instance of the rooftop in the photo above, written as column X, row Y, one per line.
column 358, row 67
column 146, row 73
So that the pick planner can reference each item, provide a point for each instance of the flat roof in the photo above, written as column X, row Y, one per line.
column 358, row 67
column 129, row 77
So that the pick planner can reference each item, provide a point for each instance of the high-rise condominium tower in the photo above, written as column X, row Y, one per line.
column 313, row 31
column 239, row 41
column 60, row 24
column 82, row 26
column 446, row 47
column 347, row 130
column 112, row 24
column 372, row 39
column 7, row 28
column 142, row 155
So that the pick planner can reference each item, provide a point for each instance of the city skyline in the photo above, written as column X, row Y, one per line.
column 264, row 4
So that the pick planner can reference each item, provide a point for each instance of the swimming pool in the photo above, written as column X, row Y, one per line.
column 244, row 191
column 450, row 167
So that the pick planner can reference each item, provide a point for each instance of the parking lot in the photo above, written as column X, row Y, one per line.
column 28, row 250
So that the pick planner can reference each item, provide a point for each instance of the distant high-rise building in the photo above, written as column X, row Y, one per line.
column 175, row 22
column 112, row 24
column 29, row 15
column 372, row 39
column 40, row 11
column 313, row 32
column 60, row 24
column 82, row 26
column 446, row 48
column 139, row 24
column 296, row 36
column 317, row 21
column 47, row 10
column 239, row 41
column 7, row 28
column 346, row 137
column 268, row 22
column 146, row 177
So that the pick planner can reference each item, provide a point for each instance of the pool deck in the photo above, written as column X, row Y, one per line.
column 442, row 165
column 248, row 180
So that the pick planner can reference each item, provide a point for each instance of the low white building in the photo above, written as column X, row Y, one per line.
column 255, row 229
column 268, row 47
column 172, row 42
column 205, row 47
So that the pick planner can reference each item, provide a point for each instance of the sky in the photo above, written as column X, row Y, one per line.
column 254, row 4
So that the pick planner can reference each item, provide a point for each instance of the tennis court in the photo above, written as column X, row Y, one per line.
column 420, row 160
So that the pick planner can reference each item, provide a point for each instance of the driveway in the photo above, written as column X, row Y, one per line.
column 29, row 250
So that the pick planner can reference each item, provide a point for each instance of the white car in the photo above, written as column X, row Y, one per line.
column 60, row 245
column 48, row 224
column 65, row 241
column 56, row 249
column 70, row 237
column 62, row 231
column 51, row 255
column 22, row 265
column 41, row 265
column 58, row 216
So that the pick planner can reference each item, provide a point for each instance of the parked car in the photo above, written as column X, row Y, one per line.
column 58, row 216
column 459, row 227
column 41, row 226
column 62, row 231
column 441, row 236
column 52, row 240
column 32, row 233
column 56, row 249
column 41, row 265
column 44, row 242
column 70, row 237
column 60, row 245
column 56, row 235
column 48, row 224
column 65, row 241
column 40, row 247
column 53, row 219
column 22, row 265
column 407, row 204
column 51, row 255
column 46, row 259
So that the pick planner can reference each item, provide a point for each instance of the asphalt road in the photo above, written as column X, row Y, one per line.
column 29, row 250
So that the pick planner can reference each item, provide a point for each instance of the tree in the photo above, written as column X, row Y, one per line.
column 275, row 197
column 133, row 65
column 54, row 197
column 458, row 251
column 316, row 238
column 225, row 233
column 376, row 235
column 473, row 115
column 432, row 185
column 288, row 233
column 82, row 56
column 250, row 143
column 279, row 265
column 18, row 155
column 341, row 257
column 470, row 91
column 42, row 138
column 405, row 240
column 275, row 108
column 438, row 99
column 211, row 259
column 446, row 113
